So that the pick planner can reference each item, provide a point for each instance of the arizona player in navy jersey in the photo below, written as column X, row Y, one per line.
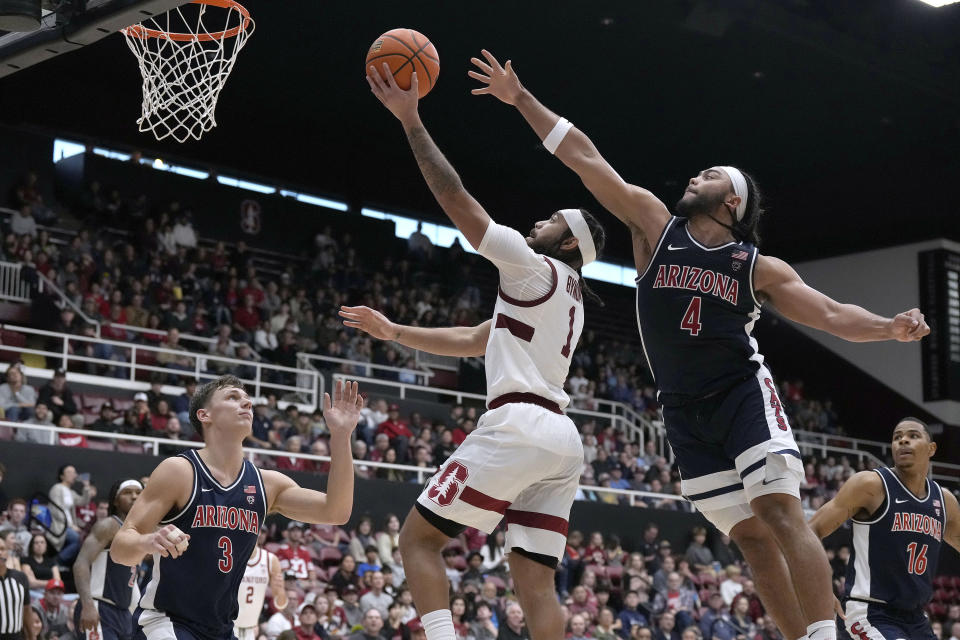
column 105, row 588
column 900, row 519
column 210, row 504
column 701, row 284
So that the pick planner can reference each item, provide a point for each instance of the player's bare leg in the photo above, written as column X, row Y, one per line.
column 421, row 546
column 538, row 598
column 806, row 559
column 771, row 576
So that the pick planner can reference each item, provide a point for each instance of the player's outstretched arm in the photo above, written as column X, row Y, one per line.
column 636, row 207
column 169, row 487
column 444, row 341
column 861, row 494
column 462, row 209
column 776, row 282
column 333, row 507
column 100, row 536
column 952, row 533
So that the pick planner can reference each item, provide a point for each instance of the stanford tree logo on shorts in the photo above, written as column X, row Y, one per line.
column 445, row 487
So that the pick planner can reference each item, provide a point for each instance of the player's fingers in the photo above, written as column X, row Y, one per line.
column 338, row 392
column 478, row 76
column 414, row 84
column 480, row 92
column 374, row 77
column 326, row 402
column 509, row 66
column 388, row 77
column 482, row 65
column 491, row 59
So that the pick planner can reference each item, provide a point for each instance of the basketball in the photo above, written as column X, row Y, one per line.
column 406, row 51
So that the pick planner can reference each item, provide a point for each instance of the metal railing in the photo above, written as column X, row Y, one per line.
column 12, row 286
column 152, row 446
column 46, row 283
column 823, row 442
column 638, row 432
column 366, row 369
column 261, row 377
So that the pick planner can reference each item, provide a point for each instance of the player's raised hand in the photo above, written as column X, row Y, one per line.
column 501, row 82
column 909, row 326
column 343, row 412
column 402, row 104
column 369, row 321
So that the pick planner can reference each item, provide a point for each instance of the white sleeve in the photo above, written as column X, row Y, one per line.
column 524, row 274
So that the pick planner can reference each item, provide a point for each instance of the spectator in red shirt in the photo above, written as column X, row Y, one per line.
column 308, row 620
column 462, row 430
column 294, row 444
column 160, row 416
column 397, row 430
column 70, row 439
column 246, row 319
column 294, row 557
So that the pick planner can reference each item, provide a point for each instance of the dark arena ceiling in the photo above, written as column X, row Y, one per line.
column 846, row 111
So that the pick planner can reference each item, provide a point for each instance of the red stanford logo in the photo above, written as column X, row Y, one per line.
column 445, row 487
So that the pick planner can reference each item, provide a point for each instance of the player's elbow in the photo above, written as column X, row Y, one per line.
column 122, row 551
column 340, row 517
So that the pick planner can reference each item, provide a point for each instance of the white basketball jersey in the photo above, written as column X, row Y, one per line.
column 253, row 588
column 532, row 341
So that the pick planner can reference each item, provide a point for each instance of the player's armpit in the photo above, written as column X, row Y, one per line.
column 862, row 494
column 951, row 534
column 170, row 487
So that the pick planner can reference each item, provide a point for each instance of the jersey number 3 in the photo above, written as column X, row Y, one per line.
column 691, row 317
column 226, row 562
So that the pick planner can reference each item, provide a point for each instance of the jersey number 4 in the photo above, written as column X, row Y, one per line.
column 691, row 317
column 917, row 562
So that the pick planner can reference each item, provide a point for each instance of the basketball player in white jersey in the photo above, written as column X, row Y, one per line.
column 523, row 461
column 262, row 570
column 106, row 588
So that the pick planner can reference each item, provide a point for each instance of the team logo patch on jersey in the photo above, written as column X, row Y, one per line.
column 445, row 487
column 251, row 499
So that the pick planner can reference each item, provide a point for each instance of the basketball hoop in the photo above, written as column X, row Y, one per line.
column 185, row 64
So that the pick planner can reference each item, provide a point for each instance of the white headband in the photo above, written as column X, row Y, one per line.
column 126, row 484
column 581, row 231
column 739, row 188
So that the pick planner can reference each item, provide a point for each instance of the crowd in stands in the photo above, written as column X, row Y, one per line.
column 350, row 583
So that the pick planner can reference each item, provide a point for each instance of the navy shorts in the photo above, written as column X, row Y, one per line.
column 115, row 623
column 156, row 625
column 733, row 447
column 876, row 622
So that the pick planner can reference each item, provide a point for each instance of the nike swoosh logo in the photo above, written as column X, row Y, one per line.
column 206, row 490
column 670, row 247
column 774, row 480
column 899, row 501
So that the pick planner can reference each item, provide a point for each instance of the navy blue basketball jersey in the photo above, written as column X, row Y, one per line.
column 695, row 311
column 895, row 553
column 199, row 589
column 111, row 582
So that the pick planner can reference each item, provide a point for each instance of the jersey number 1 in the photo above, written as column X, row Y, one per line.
column 917, row 562
column 691, row 317
column 565, row 352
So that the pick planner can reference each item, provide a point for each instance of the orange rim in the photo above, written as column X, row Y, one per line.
column 139, row 31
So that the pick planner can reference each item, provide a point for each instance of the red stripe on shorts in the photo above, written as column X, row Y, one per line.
column 482, row 501
column 537, row 521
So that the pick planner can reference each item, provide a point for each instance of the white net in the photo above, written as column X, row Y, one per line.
column 185, row 57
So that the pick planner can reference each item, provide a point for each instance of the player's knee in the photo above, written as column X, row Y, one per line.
column 417, row 534
column 753, row 536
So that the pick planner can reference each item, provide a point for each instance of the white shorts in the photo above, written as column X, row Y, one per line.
column 523, row 463
column 246, row 633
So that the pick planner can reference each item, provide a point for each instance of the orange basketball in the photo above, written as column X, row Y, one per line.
column 406, row 51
